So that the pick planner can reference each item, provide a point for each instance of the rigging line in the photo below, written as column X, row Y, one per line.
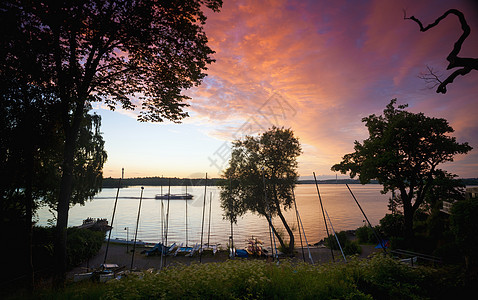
column 202, row 228
column 232, row 254
column 136, row 233
column 162, row 233
column 268, row 216
column 113, row 217
column 186, row 201
column 167, row 219
column 303, row 231
column 336, row 237
column 298, row 225
column 209, row 225
column 308, row 248
column 323, row 214
column 380, row 241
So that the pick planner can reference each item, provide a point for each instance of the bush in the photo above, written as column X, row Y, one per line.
column 81, row 245
column 375, row 278
column 349, row 247
column 392, row 225
column 365, row 235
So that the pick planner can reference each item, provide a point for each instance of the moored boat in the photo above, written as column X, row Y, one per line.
column 185, row 196
column 95, row 224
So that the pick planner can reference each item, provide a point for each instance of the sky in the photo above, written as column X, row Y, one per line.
column 317, row 67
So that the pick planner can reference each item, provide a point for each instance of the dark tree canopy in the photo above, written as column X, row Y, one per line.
column 464, row 64
column 112, row 51
column 261, row 177
column 403, row 153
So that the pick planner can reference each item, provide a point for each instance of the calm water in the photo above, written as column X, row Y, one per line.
column 337, row 200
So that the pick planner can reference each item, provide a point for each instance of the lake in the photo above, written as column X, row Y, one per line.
column 336, row 198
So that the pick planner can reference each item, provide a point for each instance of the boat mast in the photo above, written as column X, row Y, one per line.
column 137, row 224
column 113, row 217
column 323, row 214
column 167, row 221
column 202, row 228
column 209, row 226
column 336, row 237
column 232, row 254
column 269, row 217
column 380, row 241
column 298, row 225
column 186, row 201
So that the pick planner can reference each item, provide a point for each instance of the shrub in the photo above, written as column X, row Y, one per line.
column 376, row 278
column 365, row 235
column 81, row 245
column 349, row 247
column 392, row 225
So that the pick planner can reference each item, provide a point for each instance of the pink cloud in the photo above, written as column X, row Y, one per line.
column 335, row 63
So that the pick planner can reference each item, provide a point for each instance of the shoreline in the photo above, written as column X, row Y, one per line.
column 117, row 254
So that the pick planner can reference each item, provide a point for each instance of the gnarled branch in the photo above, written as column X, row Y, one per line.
column 465, row 64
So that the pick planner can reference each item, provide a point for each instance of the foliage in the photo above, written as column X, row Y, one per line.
column 464, row 225
column 348, row 247
column 377, row 278
column 261, row 177
column 365, row 235
column 81, row 245
column 120, row 52
column 403, row 152
column 392, row 225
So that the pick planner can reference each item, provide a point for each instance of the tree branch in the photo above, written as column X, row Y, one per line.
column 467, row 64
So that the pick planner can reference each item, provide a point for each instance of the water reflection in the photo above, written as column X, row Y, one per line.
column 337, row 200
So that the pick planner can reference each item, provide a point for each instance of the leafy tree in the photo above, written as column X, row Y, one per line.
column 31, row 163
column 464, row 226
column 403, row 152
column 464, row 65
column 110, row 51
column 263, row 173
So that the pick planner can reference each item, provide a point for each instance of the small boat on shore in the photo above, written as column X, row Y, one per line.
column 95, row 224
column 185, row 196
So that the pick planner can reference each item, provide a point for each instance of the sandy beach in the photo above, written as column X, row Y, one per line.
column 118, row 254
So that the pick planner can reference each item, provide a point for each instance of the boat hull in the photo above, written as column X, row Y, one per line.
column 175, row 197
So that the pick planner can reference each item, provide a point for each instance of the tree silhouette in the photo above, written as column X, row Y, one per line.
column 112, row 51
column 403, row 152
column 464, row 64
column 261, row 177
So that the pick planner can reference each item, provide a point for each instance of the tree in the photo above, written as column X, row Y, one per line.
column 30, row 163
column 110, row 51
column 464, row 226
column 465, row 64
column 261, row 177
column 403, row 152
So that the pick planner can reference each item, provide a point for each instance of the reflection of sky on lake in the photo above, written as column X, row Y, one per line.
column 337, row 200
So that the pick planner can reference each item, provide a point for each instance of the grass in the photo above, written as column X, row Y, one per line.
column 375, row 278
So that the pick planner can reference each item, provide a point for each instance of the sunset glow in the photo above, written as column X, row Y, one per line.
column 317, row 67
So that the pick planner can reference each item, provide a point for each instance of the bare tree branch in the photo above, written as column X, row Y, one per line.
column 465, row 64
column 431, row 78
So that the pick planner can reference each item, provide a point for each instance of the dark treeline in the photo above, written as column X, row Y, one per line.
column 160, row 181
column 165, row 181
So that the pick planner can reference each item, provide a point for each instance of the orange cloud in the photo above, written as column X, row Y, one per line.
column 335, row 63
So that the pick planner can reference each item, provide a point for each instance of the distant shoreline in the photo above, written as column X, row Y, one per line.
column 162, row 181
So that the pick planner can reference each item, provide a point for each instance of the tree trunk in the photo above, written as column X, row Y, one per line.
column 289, row 231
column 62, row 212
column 71, row 137
column 29, row 209
column 281, row 241
column 408, row 213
